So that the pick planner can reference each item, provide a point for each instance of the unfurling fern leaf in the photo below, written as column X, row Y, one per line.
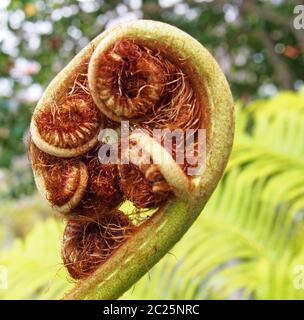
column 247, row 243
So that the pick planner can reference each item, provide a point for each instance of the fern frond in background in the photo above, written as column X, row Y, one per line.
column 246, row 244
column 34, row 266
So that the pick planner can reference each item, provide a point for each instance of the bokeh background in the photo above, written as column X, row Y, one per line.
column 248, row 243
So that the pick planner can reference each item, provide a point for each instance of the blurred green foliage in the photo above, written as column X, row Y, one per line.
column 253, row 237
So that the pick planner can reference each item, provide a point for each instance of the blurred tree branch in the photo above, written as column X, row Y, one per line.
column 281, row 70
column 251, row 6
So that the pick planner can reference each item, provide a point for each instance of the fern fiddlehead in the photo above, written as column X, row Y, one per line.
column 155, row 77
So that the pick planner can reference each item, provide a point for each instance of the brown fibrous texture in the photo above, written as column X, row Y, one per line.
column 90, row 242
column 137, row 82
column 103, row 192
column 70, row 124
column 130, row 80
column 144, row 186
column 61, row 176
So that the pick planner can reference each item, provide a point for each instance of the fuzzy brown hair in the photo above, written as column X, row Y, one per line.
column 145, row 187
column 87, row 243
column 103, row 192
column 56, row 173
column 70, row 124
column 145, row 84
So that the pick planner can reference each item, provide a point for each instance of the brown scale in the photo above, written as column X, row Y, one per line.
column 61, row 176
column 130, row 79
column 88, row 243
column 144, row 186
column 137, row 82
column 70, row 124
column 103, row 192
